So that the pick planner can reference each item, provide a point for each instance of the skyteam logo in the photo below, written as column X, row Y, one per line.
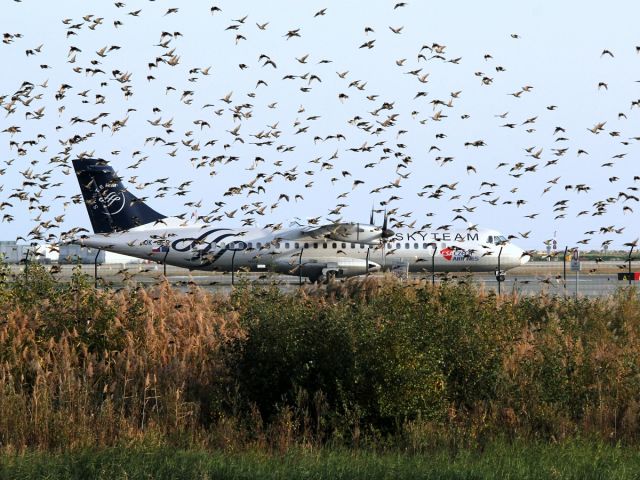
column 113, row 201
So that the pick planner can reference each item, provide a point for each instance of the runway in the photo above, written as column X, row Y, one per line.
column 535, row 277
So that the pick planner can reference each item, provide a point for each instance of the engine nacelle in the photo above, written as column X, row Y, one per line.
column 355, row 233
column 350, row 267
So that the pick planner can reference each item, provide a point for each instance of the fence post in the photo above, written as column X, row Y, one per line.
column 367, row 261
column 300, row 267
column 164, row 264
column 433, row 263
column 95, row 269
column 499, row 270
column 233, row 259
column 629, row 260
column 564, row 269
column 26, row 265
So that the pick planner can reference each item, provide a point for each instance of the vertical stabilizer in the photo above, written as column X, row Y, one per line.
column 111, row 207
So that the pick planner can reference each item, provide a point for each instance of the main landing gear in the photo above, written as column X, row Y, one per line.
column 323, row 278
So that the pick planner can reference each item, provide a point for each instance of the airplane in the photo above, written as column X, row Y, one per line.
column 125, row 224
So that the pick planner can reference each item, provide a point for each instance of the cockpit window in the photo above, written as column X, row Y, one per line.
column 496, row 239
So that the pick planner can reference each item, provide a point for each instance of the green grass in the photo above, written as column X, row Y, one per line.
column 572, row 460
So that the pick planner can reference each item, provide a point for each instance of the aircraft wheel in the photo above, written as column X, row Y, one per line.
column 330, row 276
column 319, row 278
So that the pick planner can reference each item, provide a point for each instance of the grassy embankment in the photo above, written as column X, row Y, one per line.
column 377, row 370
column 577, row 460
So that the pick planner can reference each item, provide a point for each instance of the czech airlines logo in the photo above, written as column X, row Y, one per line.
column 458, row 255
column 113, row 201
column 447, row 253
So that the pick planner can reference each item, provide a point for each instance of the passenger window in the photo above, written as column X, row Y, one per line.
column 490, row 239
column 415, row 245
column 334, row 245
column 406, row 246
column 324, row 245
column 425, row 246
column 286, row 245
column 278, row 245
column 258, row 245
column 353, row 245
column 398, row 245
column 361, row 245
column 306, row 245
column 315, row 244
column 344, row 245
column 250, row 245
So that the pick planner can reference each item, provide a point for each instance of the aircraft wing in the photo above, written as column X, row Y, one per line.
column 345, row 232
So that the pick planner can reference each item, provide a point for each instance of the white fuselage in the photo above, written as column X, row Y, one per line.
column 296, row 251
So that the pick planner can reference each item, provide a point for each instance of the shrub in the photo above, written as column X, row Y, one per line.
column 357, row 361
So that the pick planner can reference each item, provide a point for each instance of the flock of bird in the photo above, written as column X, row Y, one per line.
column 357, row 140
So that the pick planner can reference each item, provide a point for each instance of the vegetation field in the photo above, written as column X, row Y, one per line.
column 362, row 378
column 576, row 460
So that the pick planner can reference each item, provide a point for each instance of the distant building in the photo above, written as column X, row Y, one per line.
column 12, row 253
column 73, row 254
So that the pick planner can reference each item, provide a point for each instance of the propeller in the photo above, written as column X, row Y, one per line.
column 383, row 239
column 384, row 235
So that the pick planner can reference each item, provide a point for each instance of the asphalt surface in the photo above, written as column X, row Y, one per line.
column 535, row 277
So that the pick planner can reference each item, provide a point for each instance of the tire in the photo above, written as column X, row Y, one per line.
column 319, row 278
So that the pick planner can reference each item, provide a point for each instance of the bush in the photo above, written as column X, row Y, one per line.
column 362, row 360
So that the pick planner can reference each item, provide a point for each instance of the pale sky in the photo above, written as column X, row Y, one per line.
column 551, row 49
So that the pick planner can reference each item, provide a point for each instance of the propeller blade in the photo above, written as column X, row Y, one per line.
column 386, row 233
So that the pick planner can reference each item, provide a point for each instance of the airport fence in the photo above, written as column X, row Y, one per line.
column 550, row 277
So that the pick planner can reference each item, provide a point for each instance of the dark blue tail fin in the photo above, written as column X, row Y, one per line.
column 111, row 207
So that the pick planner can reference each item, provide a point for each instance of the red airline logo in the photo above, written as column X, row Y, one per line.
column 447, row 253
